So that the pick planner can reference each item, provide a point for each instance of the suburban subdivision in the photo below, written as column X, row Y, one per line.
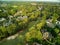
column 29, row 23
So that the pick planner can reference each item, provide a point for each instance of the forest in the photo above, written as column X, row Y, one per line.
column 29, row 23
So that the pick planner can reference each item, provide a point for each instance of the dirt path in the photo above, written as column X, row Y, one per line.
column 14, row 36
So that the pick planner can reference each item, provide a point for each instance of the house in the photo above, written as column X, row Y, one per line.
column 2, row 19
column 18, row 13
column 46, row 35
column 49, row 23
column 8, row 22
column 10, row 16
column 21, row 17
column 4, row 10
column 4, row 5
column 33, row 4
column 58, row 23
column 40, row 8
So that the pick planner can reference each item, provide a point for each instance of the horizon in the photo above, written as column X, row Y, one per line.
column 34, row 0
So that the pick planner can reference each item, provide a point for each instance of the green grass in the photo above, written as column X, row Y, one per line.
column 10, row 42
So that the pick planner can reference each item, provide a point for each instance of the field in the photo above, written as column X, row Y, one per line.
column 29, row 23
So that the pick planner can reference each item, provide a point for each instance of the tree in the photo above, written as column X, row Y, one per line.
column 33, row 35
column 11, row 29
column 54, row 17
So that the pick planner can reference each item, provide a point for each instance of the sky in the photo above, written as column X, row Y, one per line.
column 34, row 0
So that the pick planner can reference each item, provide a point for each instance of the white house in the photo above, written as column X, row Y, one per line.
column 2, row 19
column 49, row 23
column 21, row 17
